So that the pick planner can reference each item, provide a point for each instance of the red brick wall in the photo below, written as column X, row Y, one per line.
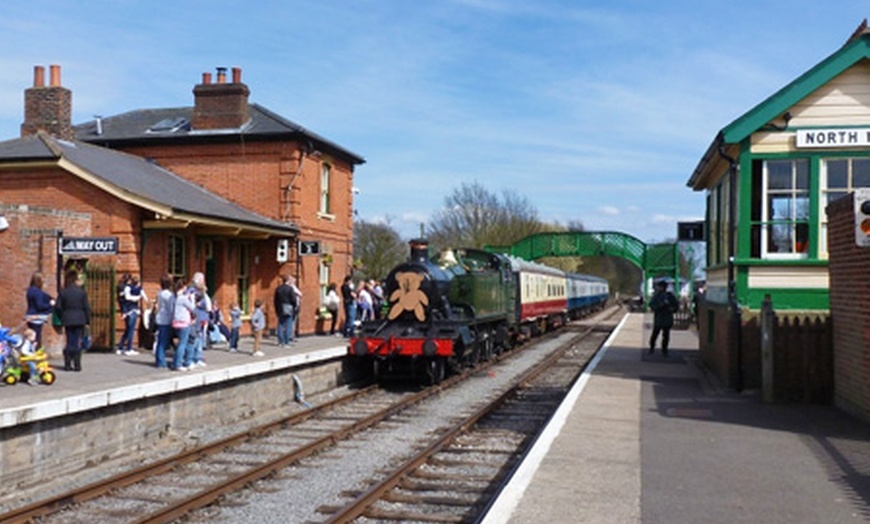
column 255, row 175
column 850, row 309
column 38, row 204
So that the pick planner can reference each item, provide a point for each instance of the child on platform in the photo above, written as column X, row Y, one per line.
column 258, row 324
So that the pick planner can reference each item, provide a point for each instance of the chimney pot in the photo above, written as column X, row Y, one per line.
column 55, row 75
column 237, row 75
column 38, row 76
column 221, row 75
column 206, row 78
column 48, row 109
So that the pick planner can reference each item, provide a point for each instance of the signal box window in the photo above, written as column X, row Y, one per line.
column 781, row 209
column 839, row 177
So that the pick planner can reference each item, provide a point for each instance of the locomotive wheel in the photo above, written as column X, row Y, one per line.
column 435, row 371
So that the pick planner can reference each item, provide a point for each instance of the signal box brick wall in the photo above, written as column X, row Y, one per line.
column 850, row 309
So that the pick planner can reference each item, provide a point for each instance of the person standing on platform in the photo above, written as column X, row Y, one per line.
column 163, row 320
column 235, row 326
column 75, row 315
column 258, row 324
column 39, row 306
column 199, row 329
column 286, row 303
column 664, row 304
column 348, row 297
column 297, row 306
column 131, row 296
column 182, row 323
column 364, row 300
column 332, row 302
column 377, row 292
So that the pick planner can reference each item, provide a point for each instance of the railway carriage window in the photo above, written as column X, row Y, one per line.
column 839, row 177
column 783, row 225
column 325, row 176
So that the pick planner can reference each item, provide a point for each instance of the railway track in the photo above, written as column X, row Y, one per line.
column 456, row 478
column 169, row 489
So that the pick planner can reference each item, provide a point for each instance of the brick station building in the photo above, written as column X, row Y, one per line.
column 224, row 187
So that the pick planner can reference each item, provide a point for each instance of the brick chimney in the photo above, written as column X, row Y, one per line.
column 48, row 108
column 220, row 105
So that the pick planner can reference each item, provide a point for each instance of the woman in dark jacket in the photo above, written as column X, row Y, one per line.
column 75, row 313
column 39, row 306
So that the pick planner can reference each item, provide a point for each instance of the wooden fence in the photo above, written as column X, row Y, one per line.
column 797, row 360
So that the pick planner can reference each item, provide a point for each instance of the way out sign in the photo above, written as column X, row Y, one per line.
column 89, row 246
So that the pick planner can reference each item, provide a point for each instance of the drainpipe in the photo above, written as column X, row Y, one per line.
column 733, row 170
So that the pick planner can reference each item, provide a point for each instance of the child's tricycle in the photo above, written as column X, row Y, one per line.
column 19, row 361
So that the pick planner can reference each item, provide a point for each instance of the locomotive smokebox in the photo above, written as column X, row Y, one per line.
column 419, row 250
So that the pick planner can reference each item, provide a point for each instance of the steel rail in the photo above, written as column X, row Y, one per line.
column 363, row 502
column 102, row 487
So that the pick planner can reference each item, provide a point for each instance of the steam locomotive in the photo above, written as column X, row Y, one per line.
column 464, row 306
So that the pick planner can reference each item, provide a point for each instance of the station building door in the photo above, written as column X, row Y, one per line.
column 100, row 284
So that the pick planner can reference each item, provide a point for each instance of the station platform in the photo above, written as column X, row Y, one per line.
column 108, row 379
column 644, row 438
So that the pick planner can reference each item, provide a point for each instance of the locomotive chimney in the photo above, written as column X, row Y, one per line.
column 419, row 250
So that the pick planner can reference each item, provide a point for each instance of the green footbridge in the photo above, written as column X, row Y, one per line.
column 655, row 260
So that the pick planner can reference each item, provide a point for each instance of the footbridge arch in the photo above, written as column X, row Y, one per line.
column 654, row 260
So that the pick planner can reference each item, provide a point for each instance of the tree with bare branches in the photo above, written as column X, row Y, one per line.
column 473, row 216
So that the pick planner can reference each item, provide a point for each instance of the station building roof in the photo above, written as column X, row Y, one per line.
column 174, row 200
column 174, row 125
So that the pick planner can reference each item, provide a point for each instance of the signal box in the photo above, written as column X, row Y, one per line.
column 862, row 216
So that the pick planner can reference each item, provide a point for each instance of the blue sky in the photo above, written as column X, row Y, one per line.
column 597, row 112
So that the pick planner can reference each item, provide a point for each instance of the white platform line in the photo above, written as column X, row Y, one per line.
column 510, row 496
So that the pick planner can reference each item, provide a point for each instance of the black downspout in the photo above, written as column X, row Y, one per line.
column 733, row 170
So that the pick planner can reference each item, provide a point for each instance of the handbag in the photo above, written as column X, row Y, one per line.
column 86, row 339
column 287, row 309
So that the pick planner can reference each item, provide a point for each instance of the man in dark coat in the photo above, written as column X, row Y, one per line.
column 663, row 304
column 75, row 314
column 286, row 304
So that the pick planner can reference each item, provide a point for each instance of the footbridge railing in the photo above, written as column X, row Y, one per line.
column 653, row 259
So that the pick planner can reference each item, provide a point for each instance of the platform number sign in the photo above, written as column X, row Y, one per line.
column 862, row 216
column 690, row 231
